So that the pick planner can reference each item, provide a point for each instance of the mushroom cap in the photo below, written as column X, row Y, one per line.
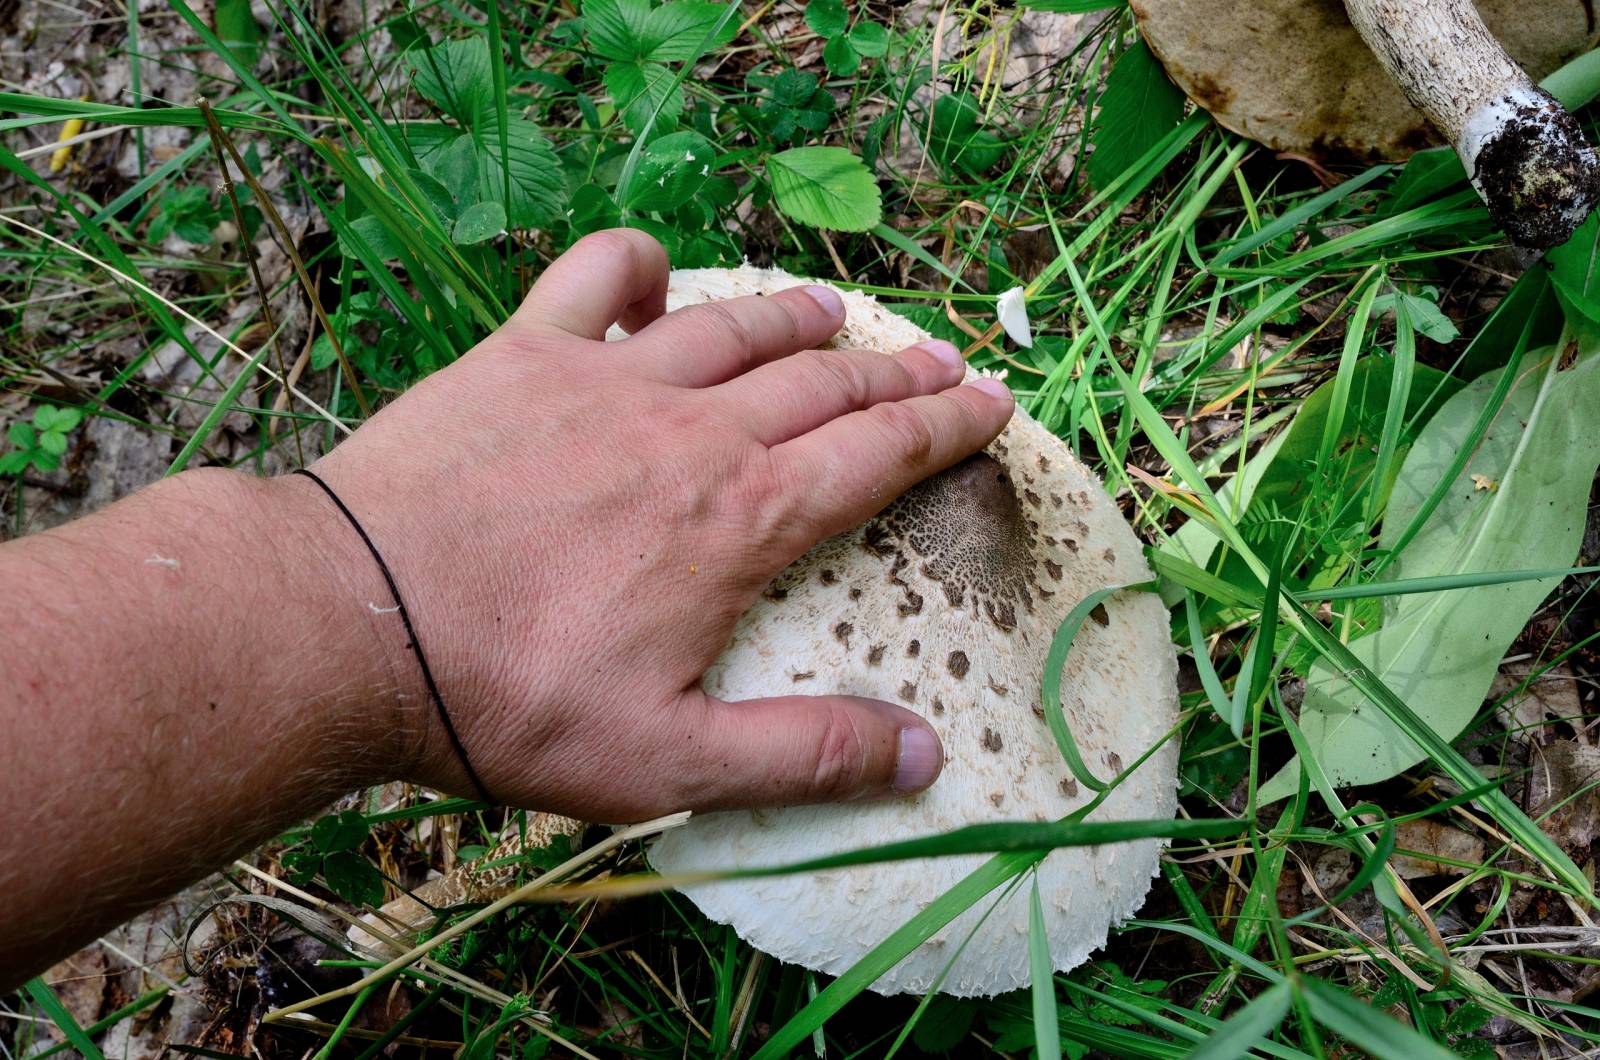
column 947, row 603
column 1296, row 76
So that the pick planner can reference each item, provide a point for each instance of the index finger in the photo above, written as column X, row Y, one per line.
column 860, row 462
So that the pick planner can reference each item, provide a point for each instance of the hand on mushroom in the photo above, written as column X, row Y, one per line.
column 580, row 523
column 574, row 527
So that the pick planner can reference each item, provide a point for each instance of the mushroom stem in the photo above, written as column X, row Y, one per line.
column 1526, row 154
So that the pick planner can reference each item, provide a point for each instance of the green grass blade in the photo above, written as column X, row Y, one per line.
column 1374, row 1032
column 51, row 1005
column 1046, row 1014
column 1246, row 1028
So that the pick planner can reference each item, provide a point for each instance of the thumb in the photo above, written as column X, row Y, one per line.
column 791, row 750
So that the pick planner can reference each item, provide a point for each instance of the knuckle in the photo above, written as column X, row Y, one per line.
column 842, row 374
column 839, row 754
column 729, row 325
column 617, row 242
column 909, row 433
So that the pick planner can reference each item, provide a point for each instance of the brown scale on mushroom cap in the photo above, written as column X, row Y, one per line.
column 951, row 597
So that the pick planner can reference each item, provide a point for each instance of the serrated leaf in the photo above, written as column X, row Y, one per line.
column 827, row 18
column 616, row 28
column 1438, row 652
column 479, row 223
column 670, row 171
column 45, row 461
column 840, row 56
column 68, row 419
column 1424, row 314
column 676, row 32
column 641, row 89
column 53, row 443
column 14, row 462
column 538, row 184
column 826, row 187
column 456, row 78
column 870, row 39
column 352, row 877
column 1138, row 107
column 22, row 435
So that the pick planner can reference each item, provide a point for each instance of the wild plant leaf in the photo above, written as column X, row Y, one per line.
column 237, row 28
column 958, row 140
column 455, row 77
column 1519, row 503
column 670, row 171
column 375, row 234
column 870, row 39
column 825, row 187
column 479, row 223
column 641, row 89
column 352, row 877
column 441, row 200
column 827, row 18
column 840, row 56
column 1137, row 108
column 1424, row 313
column 1375, row 1033
column 1575, row 273
column 682, row 30
column 592, row 210
column 795, row 103
column 615, row 28
column 538, row 185
column 455, row 166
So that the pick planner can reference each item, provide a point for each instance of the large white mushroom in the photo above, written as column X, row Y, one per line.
column 947, row 603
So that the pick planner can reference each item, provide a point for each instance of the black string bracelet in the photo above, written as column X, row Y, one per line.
column 411, row 636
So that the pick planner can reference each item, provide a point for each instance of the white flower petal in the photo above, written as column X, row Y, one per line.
column 1012, row 309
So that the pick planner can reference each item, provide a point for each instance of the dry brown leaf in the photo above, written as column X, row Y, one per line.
column 1431, row 841
column 1526, row 713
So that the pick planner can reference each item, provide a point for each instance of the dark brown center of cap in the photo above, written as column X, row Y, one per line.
column 968, row 528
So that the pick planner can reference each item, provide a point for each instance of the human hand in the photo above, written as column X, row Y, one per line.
column 575, row 527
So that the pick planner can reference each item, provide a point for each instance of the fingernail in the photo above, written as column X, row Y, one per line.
column 944, row 353
column 993, row 387
column 920, row 760
column 828, row 299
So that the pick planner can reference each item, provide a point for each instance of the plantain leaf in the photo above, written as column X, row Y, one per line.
column 1519, row 502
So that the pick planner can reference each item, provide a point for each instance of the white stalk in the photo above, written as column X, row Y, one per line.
column 1526, row 155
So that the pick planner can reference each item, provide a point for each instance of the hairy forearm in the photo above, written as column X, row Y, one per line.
column 183, row 674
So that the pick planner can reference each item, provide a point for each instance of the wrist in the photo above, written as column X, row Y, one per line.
column 355, row 669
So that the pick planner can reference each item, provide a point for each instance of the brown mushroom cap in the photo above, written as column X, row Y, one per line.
column 1296, row 76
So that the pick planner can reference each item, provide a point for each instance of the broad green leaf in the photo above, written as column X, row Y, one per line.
column 22, row 435
column 826, row 187
column 676, row 32
column 592, row 210
column 455, row 77
column 371, row 230
column 339, row 831
column 1424, row 313
column 958, row 139
column 670, row 171
column 439, row 199
column 1575, row 272
column 1137, row 108
column 639, row 89
column 827, row 18
column 869, row 39
column 53, row 443
column 238, row 29
column 479, row 223
column 616, row 28
column 795, row 104
column 538, row 185
column 1519, row 503
column 352, row 877
column 455, row 166
column 840, row 56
